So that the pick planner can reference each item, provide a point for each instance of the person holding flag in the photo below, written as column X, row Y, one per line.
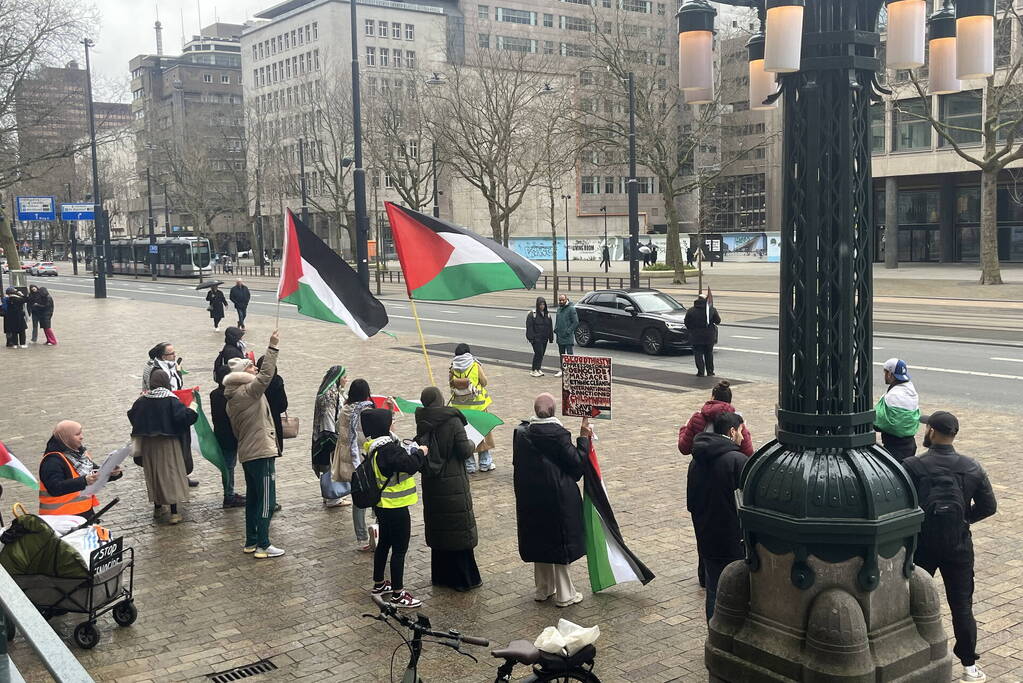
column 548, row 506
column 702, row 321
column 159, row 425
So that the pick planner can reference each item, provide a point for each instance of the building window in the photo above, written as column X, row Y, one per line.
column 316, row 32
column 586, row 77
column 410, row 31
column 385, row 57
column 484, row 41
column 548, row 47
column 589, row 184
column 960, row 112
column 301, row 63
column 609, row 184
column 644, row 185
column 410, row 59
column 575, row 50
column 660, row 9
column 483, row 11
column 382, row 27
column 301, row 38
column 255, row 77
column 388, row 180
column 412, row 149
column 255, row 55
column 877, row 128
column 225, row 79
column 397, row 59
column 576, row 24
column 308, row 34
column 316, row 58
column 396, row 30
column 261, row 50
column 515, row 16
column 911, row 128
column 287, row 69
column 294, row 39
column 516, row 44
column 207, row 78
column 641, row 6
column 138, row 94
column 370, row 27
column 548, row 21
column 371, row 56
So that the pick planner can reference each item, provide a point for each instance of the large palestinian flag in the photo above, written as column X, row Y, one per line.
column 323, row 286
column 12, row 468
column 204, row 441
column 608, row 558
column 479, row 422
column 443, row 262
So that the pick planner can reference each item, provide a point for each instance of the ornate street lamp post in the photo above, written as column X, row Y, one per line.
column 828, row 590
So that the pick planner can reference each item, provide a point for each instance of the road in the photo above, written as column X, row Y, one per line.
column 963, row 371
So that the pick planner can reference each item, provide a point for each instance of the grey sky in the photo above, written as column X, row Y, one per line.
column 126, row 29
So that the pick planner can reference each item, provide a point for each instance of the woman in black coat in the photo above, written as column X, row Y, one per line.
column 41, row 308
column 217, row 304
column 14, row 318
column 447, row 499
column 234, row 347
column 548, row 505
column 539, row 333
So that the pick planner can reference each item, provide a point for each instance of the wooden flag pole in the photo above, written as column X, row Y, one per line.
column 422, row 342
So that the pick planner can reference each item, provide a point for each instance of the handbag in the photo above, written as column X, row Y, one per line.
column 289, row 426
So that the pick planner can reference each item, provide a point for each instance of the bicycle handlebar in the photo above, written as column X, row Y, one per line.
column 389, row 610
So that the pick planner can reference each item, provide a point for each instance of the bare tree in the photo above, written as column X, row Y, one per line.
column 483, row 120
column 1000, row 133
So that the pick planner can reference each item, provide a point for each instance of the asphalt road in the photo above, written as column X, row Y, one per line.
column 969, row 372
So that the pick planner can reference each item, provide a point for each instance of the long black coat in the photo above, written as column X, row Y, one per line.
column 41, row 307
column 14, row 314
column 447, row 499
column 548, row 506
column 700, row 332
column 217, row 304
column 539, row 327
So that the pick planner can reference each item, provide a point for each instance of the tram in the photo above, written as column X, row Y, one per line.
column 175, row 256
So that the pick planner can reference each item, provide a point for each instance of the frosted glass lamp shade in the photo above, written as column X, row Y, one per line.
column 975, row 46
column 906, row 29
column 699, row 96
column 695, row 60
column 941, row 75
column 762, row 84
column 783, row 49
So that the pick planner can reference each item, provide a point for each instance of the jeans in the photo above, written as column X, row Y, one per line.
column 395, row 532
column 901, row 447
column 227, row 476
column 241, row 316
column 261, row 497
column 957, row 575
column 486, row 460
column 703, row 354
column 359, row 521
column 539, row 349
column 712, row 568
column 35, row 329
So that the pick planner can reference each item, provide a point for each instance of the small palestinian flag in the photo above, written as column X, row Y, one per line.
column 11, row 468
column 443, row 262
column 480, row 422
column 204, row 441
column 609, row 559
column 323, row 286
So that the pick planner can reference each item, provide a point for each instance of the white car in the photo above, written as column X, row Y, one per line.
column 45, row 268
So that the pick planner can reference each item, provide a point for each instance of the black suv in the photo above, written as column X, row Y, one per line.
column 646, row 317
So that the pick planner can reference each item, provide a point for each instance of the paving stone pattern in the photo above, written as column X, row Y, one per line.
column 205, row 607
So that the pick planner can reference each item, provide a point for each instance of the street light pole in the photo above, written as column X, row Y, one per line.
column 607, row 265
column 301, row 173
column 101, row 235
column 166, row 210
column 568, row 248
column 72, row 235
column 359, row 173
column 633, row 190
column 433, row 172
column 259, row 227
column 152, row 226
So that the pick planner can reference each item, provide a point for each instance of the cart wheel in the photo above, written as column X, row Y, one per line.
column 125, row 613
column 86, row 635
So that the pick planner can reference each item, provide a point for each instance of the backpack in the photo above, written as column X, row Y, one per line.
column 944, row 506
column 365, row 491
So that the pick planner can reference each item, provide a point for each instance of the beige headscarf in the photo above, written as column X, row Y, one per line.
column 64, row 430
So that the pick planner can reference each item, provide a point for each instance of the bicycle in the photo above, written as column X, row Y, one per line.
column 547, row 667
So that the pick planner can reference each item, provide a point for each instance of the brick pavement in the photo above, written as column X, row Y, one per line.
column 205, row 607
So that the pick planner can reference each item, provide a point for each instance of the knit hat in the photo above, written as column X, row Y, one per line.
column 239, row 364
column 376, row 422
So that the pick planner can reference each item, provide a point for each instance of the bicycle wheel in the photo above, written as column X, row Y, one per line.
column 565, row 676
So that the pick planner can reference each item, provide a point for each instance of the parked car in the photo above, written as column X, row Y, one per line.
column 646, row 317
column 45, row 268
column 27, row 266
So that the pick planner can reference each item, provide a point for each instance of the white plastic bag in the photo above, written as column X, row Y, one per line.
column 567, row 639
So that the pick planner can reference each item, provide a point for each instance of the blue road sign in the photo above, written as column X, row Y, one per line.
column 78, row 212
column 154, row 249
column 36, row 208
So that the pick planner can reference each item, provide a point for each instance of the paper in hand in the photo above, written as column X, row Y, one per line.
column 113, row 460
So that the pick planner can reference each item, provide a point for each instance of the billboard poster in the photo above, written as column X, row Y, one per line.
column 586, row 387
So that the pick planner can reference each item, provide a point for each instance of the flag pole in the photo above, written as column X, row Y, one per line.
column 422, row 342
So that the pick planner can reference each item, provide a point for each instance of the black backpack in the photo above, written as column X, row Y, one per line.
column 944, row 506
column 365, row 491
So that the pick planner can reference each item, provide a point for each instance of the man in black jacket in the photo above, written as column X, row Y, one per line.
column 240, row 296
column 548, row 507
column 954, row 493
column 703, row 335
column 710, row 498
column 225, row 437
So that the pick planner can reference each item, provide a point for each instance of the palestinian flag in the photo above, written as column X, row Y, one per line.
column 480, row 422
column 11, row 468
column 204, row 441
column 443, row 262
column 323, row 286
column 610, row 561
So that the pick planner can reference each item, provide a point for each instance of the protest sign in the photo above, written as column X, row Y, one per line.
column 586, row 387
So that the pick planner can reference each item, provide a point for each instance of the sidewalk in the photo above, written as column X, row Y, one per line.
column 204, row 607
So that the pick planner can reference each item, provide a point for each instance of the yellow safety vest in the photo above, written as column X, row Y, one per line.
column 401, row 493
column 477, row 397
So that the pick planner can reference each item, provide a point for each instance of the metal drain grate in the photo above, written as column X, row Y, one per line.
column 239, row 672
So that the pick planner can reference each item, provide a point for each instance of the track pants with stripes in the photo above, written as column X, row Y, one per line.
column 260, row 499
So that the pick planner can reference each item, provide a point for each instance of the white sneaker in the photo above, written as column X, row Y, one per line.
column 24, row 346
column 269, row 551
column 567, row 603
column 539, row 373
column 558, row 373
column 973, row 674
column 534, row 373
column 332, row 503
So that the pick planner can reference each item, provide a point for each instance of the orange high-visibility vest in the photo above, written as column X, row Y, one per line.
column 74, row 503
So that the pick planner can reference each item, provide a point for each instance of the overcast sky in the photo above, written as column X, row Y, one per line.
column 126, row 29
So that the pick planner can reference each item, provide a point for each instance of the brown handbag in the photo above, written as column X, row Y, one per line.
column 289, row 426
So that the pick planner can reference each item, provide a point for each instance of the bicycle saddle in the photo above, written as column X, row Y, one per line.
column 520, row 651
column 556, row 663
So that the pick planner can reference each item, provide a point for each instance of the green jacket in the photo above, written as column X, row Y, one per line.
column 564, row 326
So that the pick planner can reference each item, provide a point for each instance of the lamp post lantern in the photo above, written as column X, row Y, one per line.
column 828, row 589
